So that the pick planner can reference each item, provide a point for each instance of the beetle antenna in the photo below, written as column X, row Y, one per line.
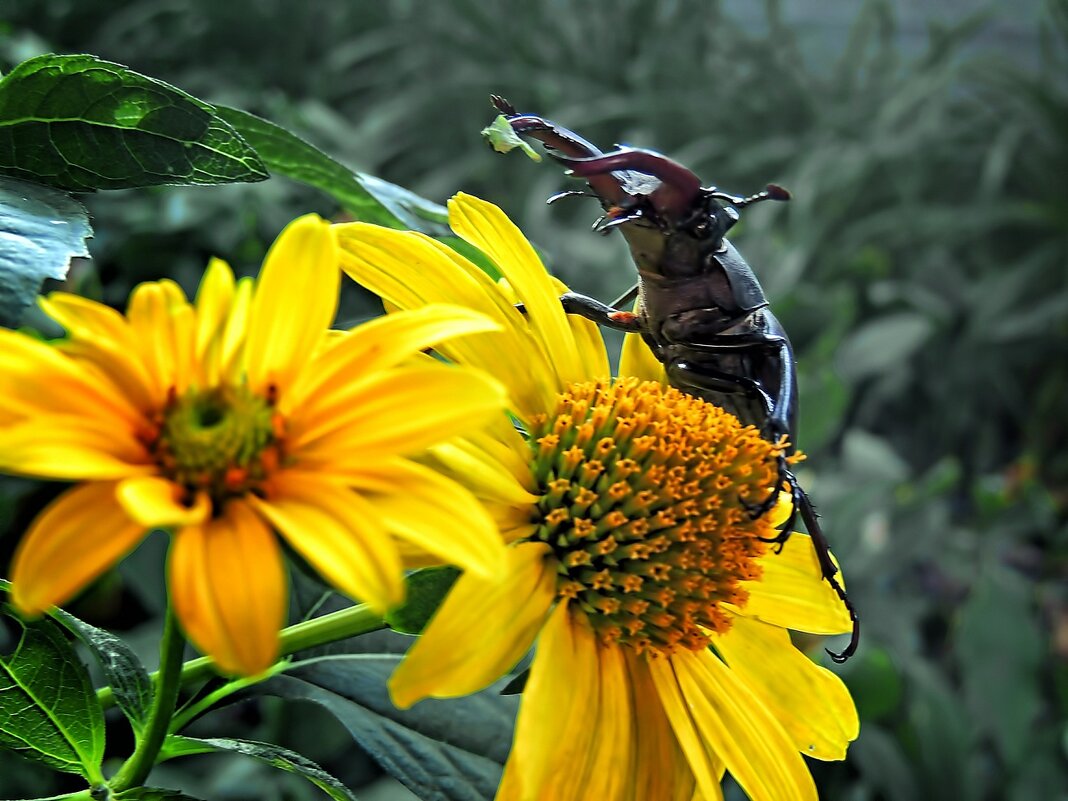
column 772, row 192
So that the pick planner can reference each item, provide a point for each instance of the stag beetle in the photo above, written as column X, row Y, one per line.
column 700, row 308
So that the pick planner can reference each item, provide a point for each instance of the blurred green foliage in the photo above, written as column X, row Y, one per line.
column 921, row 269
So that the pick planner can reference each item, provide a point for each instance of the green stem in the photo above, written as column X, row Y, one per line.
column 317, row 631
column 168, row 680
column 193, row 711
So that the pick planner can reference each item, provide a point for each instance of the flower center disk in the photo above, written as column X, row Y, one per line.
column 223, row 440
column 643, row 507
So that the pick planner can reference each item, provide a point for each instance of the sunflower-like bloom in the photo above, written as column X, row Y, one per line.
column 235, row 417
column 661, row 618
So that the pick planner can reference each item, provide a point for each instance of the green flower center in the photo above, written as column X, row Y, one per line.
column 643, row 508
column 222, row 440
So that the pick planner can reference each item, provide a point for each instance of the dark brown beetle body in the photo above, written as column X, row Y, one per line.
column 700, row 307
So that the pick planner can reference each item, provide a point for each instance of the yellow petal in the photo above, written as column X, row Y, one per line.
column 605, row 750
column 102, row 337
column 811, row 702
column 339, row 534
column 163, row 325
column 739, row 729
column 382, row 343
column 76, row 538
column 36, row 378
column 706, row 765
column 227, row 359
column 83, row 317
column 156, row 502
column 613, row 756
column 295, row 302
column 438, row 516
column 487, row 228
column 555, row 737
column 660, row 768
column 213, row 302
column 398, row 411
column 469, row 461
column 228, row 584
column 792, row 593
column 588, row 340
column 780, row 512
column 635, row 359
column 481, row 630
column 121, row 364
column 72, row 448
column 409, row 271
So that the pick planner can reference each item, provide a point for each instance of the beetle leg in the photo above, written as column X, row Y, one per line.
column 829, row 572
column 719, row 343
column 802, row 504
column 703, row 379
column 776, row 421
column 600, row 313
column 787, row 528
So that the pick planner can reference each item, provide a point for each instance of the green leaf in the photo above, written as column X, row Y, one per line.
column 427, row 588
column 41, row 230
column 123, row 671
column 268, row 753
column 502, row 137
column 1000, row 645
column 450, row 750
column 367, row 198
column 48, row 710
column 79, row 123
column 883, row 766
column 885, row 343
column 943, row 735
column 875, row 684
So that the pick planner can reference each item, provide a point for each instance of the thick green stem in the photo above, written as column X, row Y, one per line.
column 168, row 680
column 317, row 631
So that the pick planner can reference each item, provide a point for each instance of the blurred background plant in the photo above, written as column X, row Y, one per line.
column 921, row 269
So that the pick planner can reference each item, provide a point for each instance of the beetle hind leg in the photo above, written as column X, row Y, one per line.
column 829, row 571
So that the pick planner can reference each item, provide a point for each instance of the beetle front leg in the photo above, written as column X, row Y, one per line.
column 600, row 313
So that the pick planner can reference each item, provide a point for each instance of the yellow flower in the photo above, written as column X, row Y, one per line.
column 235, row 417
column 631, row 555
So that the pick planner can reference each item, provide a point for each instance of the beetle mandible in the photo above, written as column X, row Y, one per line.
column 700, row 307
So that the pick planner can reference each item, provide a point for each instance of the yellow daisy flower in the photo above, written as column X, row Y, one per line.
column 661, row 619
column 235, row 417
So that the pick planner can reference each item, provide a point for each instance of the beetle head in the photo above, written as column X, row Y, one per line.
column 672, row 224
